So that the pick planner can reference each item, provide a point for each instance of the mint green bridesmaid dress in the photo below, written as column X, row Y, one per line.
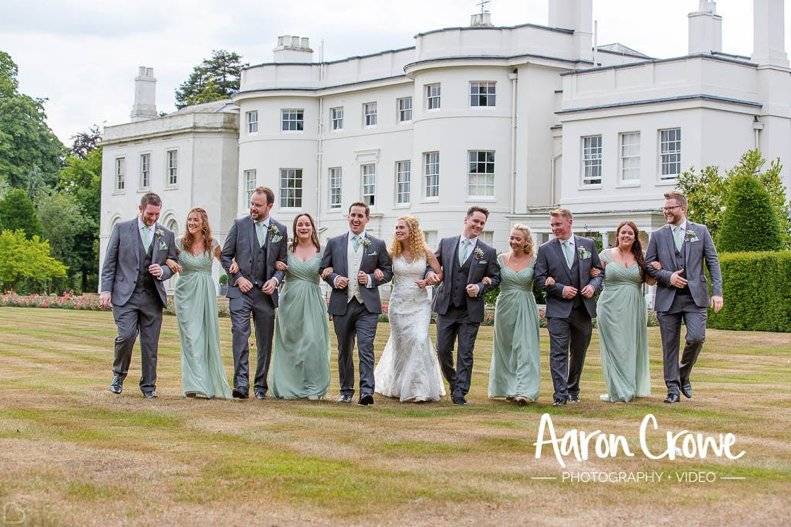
column 202, row 371
column 514, row 370
column 621, row 321
column 300, row 366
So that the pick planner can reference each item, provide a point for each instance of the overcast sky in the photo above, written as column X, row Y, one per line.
column 82, row 55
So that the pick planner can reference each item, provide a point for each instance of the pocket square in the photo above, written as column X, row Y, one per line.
column 162, row 246
column 373, row 253
column 482, row 262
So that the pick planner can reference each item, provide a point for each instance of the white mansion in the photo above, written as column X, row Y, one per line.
column 518, row 119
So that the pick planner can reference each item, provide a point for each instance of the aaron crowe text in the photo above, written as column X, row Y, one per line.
column 683, row 444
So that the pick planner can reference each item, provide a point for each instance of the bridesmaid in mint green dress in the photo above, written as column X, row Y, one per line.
column 621, row 319
column 202, row 371
column 300, row 366
column 514, row 372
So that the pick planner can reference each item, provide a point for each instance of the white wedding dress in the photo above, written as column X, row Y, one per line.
column 408, row 368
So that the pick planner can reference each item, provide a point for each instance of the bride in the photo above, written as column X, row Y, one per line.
column 408, row 368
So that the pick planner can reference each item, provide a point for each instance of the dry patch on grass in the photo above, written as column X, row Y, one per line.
column 75, row 454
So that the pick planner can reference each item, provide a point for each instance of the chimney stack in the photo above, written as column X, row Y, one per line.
column 145, row 105
column 292, row 48
column 578, row 16
column 481, row 19
column 705, row 29
column 769, row 33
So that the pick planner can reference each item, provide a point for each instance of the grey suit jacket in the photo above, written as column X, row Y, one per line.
column 699, row 249
column 121, row 267
column 375, row 257
column 551, row 261
column 240, row 244
column 480, row 267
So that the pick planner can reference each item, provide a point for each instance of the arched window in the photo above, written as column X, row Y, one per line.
column 172, row 226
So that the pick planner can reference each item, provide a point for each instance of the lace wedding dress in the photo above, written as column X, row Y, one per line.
column 408, row 368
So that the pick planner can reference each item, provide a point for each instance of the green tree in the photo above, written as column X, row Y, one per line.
column 749, row 222
column 81, row 179
column 707, row 192
column 30, row 154
column 26, row 265
column 214, row 79
column 18, row 213
column 63, row 224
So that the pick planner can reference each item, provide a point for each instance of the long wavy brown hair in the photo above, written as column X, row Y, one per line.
column 637, row 247
column 188, row 239
column 314, row 237
column 416, row 242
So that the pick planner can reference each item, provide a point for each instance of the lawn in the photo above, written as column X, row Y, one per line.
column 75, row 454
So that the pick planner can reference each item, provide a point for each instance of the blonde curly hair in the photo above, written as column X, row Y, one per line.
column 415, row 242
column 525, row 230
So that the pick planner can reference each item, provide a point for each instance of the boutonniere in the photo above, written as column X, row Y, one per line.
column 477, row 253
column 366, row 243
column 583, row 253
column 274, row 234
column 159, row 233
column 691, row 236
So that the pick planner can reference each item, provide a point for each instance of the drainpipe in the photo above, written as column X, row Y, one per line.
column 513, row 77
column 757, row 127
column 320, row 137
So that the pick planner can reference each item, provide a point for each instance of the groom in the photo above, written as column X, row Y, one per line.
column 255, row 243
column 466, row 261
column 132, row 274
column 568, row 260
column 681, row 247
column 360, row 264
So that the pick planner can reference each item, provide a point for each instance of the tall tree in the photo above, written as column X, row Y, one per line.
column 749, row 222
column 62, row 223
column 18, row 213
column 30, row 154
column 708, row 190
column 81, row 179
column 214, row 79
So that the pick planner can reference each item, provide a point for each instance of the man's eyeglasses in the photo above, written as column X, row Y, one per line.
column 671, row 208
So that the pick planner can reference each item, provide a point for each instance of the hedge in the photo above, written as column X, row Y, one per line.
column 757, row 292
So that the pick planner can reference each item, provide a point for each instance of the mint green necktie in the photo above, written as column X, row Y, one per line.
column 260, row 232
column 465, row 251
column 568, row 252
column 356, row 241
column 677, row 237
column 146, row 237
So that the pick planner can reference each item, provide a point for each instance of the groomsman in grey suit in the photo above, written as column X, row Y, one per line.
column 254, row 243
column 360, row 264
column 132, row 274
column 681, row 248
column 568, row 260
column 459, row 301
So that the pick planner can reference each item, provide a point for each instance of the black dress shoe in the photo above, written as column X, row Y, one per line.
column 239, row 393
column 365, row 400
column 672, row 398
column 560, row 402
column 686, row 389
column 459, row 399
column 260, row 395
column 574, row 399
column 117, row 385
column 150, row 395
column 345, row 398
